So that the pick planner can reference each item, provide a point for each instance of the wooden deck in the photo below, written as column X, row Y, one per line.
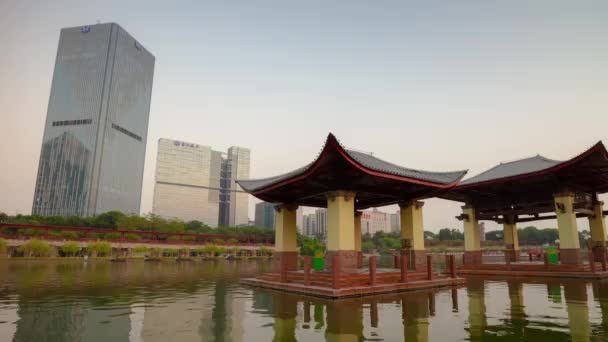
column 537, row 269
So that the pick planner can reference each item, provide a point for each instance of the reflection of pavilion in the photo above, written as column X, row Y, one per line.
column 518, row 327
column 527, row 190
column 345, row 181
column 343, row 319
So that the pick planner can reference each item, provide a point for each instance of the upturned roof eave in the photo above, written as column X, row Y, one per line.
column 333, row 144
column 598, row 147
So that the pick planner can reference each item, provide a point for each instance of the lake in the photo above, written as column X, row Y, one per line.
column 203, row 301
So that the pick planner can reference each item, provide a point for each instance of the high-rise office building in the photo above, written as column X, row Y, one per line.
column 194, row 182
column 187, row 182
column 373, row 221
column 395, row 219
column 264, row 215
column 94, row 144
column 234, row 202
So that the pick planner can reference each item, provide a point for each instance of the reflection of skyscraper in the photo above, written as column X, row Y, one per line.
column 94, row 143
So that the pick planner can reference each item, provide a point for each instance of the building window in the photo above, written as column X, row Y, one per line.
column 72, row 122
column 127, row 132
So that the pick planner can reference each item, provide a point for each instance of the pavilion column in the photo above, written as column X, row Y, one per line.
column 286, row 249
column 598, row 230
column 511, row 240
column 472, row 244
column 575, row 293
column 477, row 309
column 341, row 231
column 415, row 316
column 568, row 233
column 285, row 309
column 358, row 239
column 412, row 234
column 344, row 322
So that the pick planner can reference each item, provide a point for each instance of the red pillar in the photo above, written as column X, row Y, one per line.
column 429, row 267
column 591, row 260
column 403, row 267
column 336, row 271
column 372, row 270
column 546, row 259
column 453, row 266
column 307, row 263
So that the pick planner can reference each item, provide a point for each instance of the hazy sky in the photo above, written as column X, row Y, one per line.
column 433, row 85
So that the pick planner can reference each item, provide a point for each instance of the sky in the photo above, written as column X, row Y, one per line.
column 435, row 85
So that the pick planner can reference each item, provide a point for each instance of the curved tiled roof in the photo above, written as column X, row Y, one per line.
column 368, row 163
column 513, row 168
column 377, row 164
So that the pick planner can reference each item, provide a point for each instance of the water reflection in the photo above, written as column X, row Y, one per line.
column 202, row 301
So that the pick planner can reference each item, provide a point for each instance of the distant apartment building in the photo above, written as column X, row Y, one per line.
column 395, row 222
column 315, row 224
column 373, row 221
column 190, row 184
column 94, row 143
column 264, row 215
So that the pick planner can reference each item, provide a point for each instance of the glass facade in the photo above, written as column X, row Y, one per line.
column 234, row 202
column 93, row 149
column 264, row 215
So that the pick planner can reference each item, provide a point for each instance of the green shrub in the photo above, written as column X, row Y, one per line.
column 170, row 251
column 141, row 249
column 132, row 237
column 70, row 248
column 113, row 236
column 233, row 241
column 30, row 232
column 69, row 235
column 35, row 248
column 103, row 248
column 265, row 251
column 3, row 246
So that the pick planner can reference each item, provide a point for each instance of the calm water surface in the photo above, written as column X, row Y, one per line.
column 203, row 301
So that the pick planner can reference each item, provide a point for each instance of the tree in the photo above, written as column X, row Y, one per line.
column 197, row 227
column 308, row 246
column 107, row 220
column 3, row 246
column 103, row 248
column 428, row 235
column 495, row 235
column 35, row 248
column 3, row 217
column 70, row 248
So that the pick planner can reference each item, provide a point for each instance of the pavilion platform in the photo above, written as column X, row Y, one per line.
column 363, row 282
column 351, row 285
column 540, row 268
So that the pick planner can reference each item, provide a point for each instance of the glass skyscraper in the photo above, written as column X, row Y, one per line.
column 234, row 202
column 94, row 144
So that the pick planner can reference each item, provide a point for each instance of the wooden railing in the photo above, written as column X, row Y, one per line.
column 336, row 279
